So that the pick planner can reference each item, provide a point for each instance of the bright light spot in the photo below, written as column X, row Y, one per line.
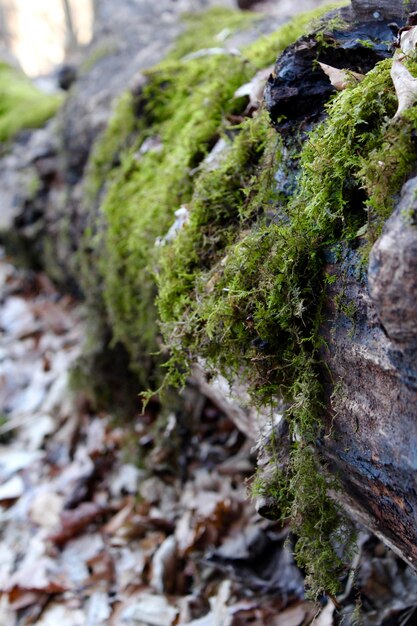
column 37, row 31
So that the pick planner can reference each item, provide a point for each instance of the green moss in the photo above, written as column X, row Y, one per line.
column 186, row 107
column 22, row 105
column 212, row 29
column 119, row 134
column 238, row 285
column 240, row 290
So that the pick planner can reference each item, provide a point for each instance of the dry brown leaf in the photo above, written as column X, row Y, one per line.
column 40, row 575
column 75, row 521
column 341, row 79
column 121, row 518
column 405, row 86
column 254, row 90
column 102, row 567
column 164, row 565
column 296, row 615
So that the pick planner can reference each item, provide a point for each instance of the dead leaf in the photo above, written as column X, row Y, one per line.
column 14, row 459
column 341, row 79
column 102, row 567
column 35, row 575
column 296, row 615
column 61, row 615
column 12, row 489
column 405, row 87
column 150, row 609
column 46, row 508
column 99, row 609
column 254, row 89
column 76, row 520
column 326, row 615
column 408, row 41
column 119, row 520
column 164, row 564
column 404, row 82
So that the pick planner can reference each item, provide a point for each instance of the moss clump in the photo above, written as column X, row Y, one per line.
column 253, row 309
column 261, row 308
column 22, row 105
column 187, row 105
column 120, row 133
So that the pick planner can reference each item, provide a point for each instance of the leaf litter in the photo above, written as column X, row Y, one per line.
column 146, row 523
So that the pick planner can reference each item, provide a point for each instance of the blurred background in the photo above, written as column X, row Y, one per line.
column 43, row 34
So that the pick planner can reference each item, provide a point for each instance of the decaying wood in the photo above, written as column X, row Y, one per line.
column 298, row 89
column 372, row 385
column 370, row 360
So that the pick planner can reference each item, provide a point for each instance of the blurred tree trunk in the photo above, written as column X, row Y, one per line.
column 71, row 41
column 4, row 27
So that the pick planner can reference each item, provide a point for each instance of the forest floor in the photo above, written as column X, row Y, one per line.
column 142, row 522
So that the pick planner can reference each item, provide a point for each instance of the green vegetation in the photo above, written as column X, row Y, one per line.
column 187, row 104
column 22, row 105
column 252, row 309
column 238, row 286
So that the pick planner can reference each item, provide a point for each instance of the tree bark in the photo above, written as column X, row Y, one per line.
column 372, row 367
column 371, row 388
column 370, row 361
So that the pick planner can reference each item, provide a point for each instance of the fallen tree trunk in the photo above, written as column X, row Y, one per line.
column 268, row 260
column 369, row 358
column 371, row 426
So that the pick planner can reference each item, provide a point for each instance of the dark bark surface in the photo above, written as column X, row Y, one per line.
column 370, row 359
column 299, row 89
column 372, row 387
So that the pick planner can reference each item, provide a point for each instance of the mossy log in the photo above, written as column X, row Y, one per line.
column 371, row 391
column 264, row 278
column 369, row 364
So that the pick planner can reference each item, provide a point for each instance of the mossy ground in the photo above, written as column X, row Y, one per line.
column 22, row 105
column 240, row 284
